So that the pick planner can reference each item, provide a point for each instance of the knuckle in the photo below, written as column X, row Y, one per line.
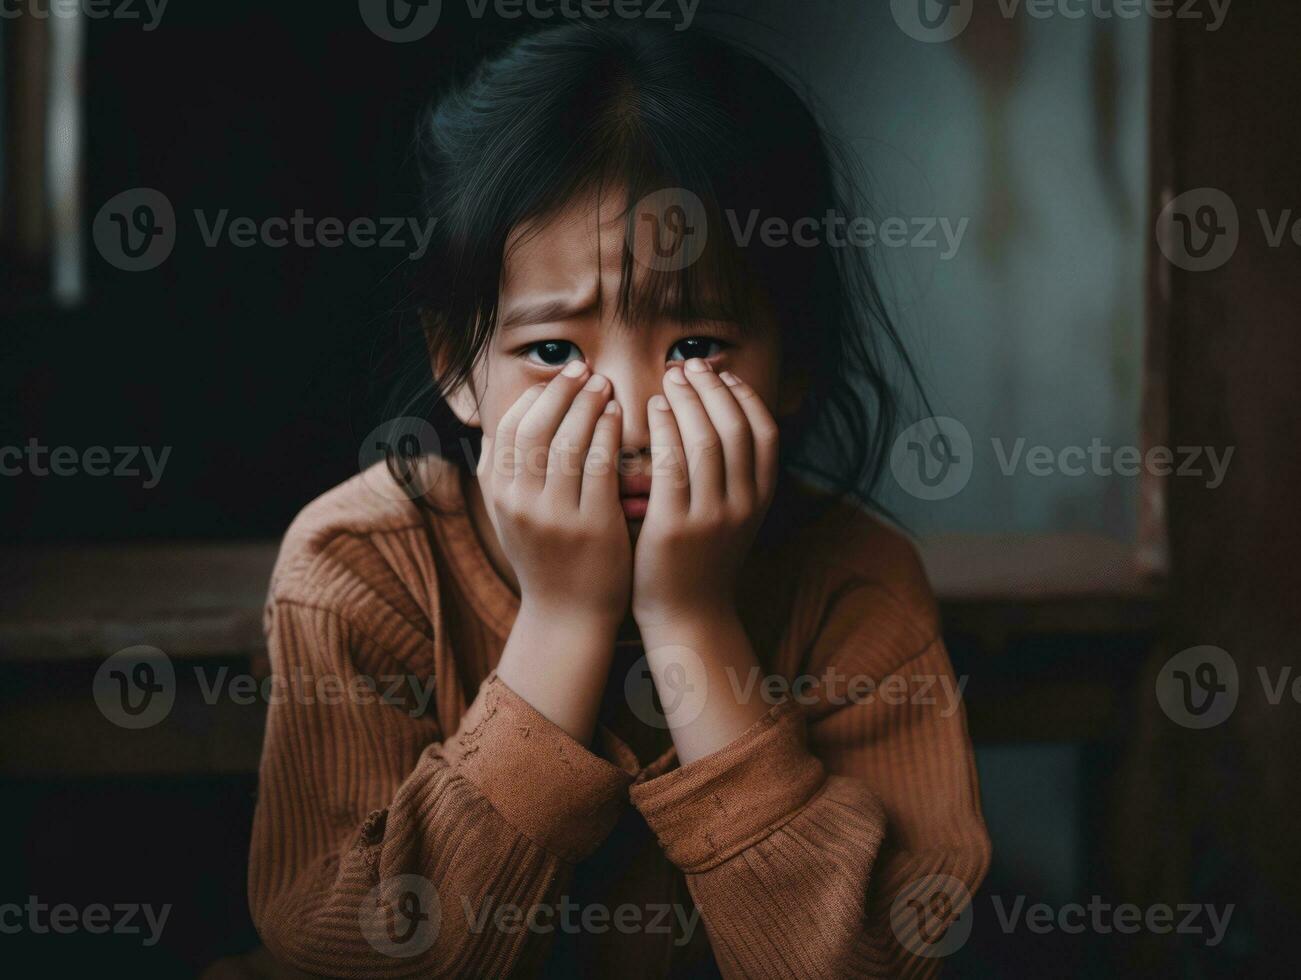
column 530, row 430
column 708, row 516
column 507, row 461
column 535, row 461
column 709, row 448
column 741, row 505
column 561, row 447
column 512, row 507
column 668, row 466
column 599, row 461
column 730, row 427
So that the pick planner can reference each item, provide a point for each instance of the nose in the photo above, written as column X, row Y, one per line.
column 633, row 388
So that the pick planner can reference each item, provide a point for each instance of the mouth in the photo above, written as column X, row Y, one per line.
column 634, row 508
column 634, row 496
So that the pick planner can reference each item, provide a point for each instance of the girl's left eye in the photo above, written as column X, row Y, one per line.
column 552, row 353
column 691, row 347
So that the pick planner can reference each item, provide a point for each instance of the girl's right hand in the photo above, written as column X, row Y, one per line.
column 549, row 477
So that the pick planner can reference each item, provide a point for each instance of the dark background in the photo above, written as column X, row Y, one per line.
column 261, row 367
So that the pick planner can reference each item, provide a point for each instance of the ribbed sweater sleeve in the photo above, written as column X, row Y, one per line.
column 379, row 841
column 809, row 841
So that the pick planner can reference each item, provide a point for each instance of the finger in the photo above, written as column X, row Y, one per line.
column 502, row 462
column 600, row 470
column 568, row 453
column 763, row 431
column 703, row 447
column 538, row 427
column 670, row 489
column 733, row 428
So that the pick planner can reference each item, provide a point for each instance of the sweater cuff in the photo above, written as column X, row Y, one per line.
column 709, row 810
column 552, row 789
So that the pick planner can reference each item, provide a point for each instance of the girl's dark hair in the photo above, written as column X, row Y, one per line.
column 631, row 108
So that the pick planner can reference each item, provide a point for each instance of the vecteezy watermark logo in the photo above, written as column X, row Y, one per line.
column 400, row 916
column 400, row 444
column 97, row 919
column 1198, row 230
column 1121, row 10
column 135, row 230
column 568, row 916
column 932, row 459
column 670, row 229
column 90, row 9
column 35, row 459
column 661, row 684
column 1198, row 687
column 136, row 687
column 401, row 21
column 410, row 20
column 936, row 21
column 1103, row 460
column 932, row 21
column 1103, row 918
column 840, row 231
column 833, row 686
column 931, row 917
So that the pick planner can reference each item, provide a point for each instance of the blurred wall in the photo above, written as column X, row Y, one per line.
column 1027, row 138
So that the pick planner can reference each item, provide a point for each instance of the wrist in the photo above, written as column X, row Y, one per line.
column 675, row 624
column 591, row 623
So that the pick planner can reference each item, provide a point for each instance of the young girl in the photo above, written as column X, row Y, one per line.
column 686, row 713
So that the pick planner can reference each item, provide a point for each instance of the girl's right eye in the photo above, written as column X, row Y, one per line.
column 552, row 353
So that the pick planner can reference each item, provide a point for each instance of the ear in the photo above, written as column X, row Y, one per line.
column 461, row 399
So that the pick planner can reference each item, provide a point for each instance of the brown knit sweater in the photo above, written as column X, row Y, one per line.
column 476, row 838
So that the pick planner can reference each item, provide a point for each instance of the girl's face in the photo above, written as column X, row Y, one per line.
column 558, row 304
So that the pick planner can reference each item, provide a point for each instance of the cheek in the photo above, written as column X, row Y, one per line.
column 500, row 387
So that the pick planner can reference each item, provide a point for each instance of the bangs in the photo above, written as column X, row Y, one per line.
column 678, row 260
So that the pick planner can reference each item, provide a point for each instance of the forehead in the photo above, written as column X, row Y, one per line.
column 575, row 247
column 579, row 255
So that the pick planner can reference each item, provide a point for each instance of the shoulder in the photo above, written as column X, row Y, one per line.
column 838, row 553
column 360, row 550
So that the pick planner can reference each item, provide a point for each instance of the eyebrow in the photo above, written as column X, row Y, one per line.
column 547, row 311
column 560, row 310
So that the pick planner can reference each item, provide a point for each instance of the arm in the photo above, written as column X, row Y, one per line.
column 804, row 863
column 843, row 846
column 551, row 490
column 381, row 847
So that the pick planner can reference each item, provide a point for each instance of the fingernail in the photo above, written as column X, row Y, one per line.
column 729, row 378
column 611, row 407
column 595, row 383
column 697, row 365
column 676, row 375
column 574, row 369
column 659, row 403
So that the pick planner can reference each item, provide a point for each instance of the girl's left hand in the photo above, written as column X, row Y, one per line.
column 714, row 471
